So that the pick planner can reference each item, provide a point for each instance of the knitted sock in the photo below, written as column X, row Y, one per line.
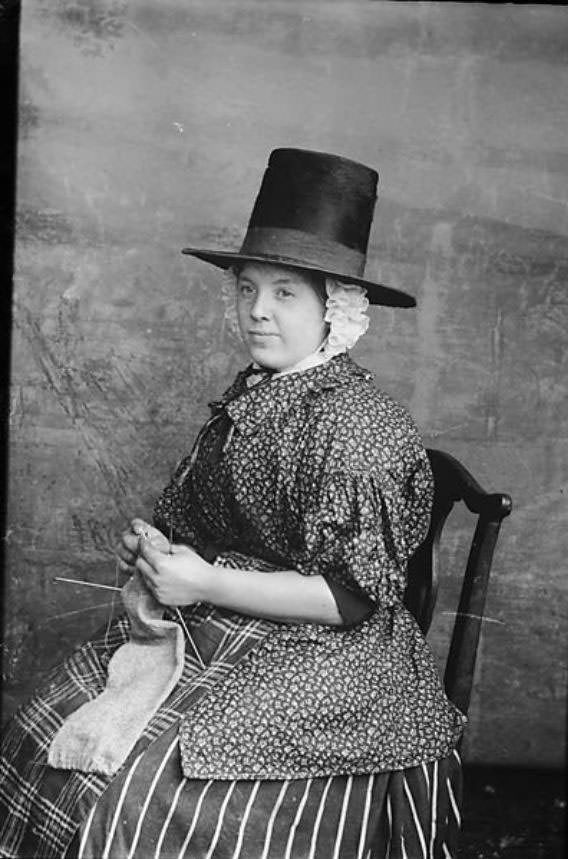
column 142, row 673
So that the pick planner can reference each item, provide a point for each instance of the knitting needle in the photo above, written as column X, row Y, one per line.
column 86, row 584
column 111, row 588
column 179, row 615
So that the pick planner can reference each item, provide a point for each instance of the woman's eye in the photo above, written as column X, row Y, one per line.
column 245, row 289
column 285, row 293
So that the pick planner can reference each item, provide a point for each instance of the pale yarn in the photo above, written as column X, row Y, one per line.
column 100, row 734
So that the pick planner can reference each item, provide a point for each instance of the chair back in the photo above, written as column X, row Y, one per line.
column 453, row 482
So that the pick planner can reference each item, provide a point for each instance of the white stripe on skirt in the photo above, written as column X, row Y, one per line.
column 403, row 847
column 389, row 819
column 415, row 817
column 194, row 819
column 365, row 822
column 434, row 809
column 453, row 802
column 119, row 804
column 86, row 831
column 244, row 821
column 319, row 816
column 301, row 806
column 220, row 822
column 341, row 827
column 426, row 779
column 169, row 816
column 149, row 796
column 272, row 818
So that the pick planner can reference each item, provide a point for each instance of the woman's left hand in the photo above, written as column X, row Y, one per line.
column 180, row 577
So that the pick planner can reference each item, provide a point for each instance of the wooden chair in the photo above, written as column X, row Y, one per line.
column 453, row 482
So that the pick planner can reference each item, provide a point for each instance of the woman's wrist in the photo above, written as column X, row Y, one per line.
column 215, row 588
column 202, row 585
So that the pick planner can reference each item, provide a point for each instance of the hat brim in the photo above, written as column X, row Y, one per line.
column 376, row 292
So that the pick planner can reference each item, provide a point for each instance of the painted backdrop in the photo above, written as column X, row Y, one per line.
column 145, row 126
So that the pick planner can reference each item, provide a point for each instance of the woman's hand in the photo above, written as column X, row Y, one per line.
column 128, row 547
column 179, row 578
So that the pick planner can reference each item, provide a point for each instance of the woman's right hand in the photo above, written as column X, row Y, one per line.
column 128, row 547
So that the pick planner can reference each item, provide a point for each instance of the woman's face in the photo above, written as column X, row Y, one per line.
column 280, row 314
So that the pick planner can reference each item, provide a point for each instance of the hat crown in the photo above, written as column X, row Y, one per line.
column 318, row 194
column 313, row 212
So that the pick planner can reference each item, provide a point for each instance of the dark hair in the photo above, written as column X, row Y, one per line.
column 318, row 282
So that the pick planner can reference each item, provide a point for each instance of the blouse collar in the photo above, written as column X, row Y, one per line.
column 248, row 407
column 314, row 360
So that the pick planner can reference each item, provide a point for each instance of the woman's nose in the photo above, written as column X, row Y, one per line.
column 259, row 308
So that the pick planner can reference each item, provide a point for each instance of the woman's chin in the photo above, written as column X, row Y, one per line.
column 264, row 356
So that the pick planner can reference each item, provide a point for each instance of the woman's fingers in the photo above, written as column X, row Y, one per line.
column 126, row 553
column 126, row 561
column 130, row 547
column 149, row 554
column 127, row 550
column 129, row 542
column 125, row 568
column 141, row 528
column 177, row 578
column 138, row 525
column 148, row 573
column 149, row 532
column 156, row 538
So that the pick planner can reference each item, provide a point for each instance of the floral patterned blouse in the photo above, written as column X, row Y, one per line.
column 322, row 473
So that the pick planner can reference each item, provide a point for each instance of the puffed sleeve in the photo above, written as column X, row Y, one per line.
column 361, row 527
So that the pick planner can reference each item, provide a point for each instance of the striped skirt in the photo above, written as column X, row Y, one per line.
column 150, row 811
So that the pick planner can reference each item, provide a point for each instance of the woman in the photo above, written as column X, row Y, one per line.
column 304, row 717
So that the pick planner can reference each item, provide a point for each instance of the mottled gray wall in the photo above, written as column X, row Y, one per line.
column 146, row 125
